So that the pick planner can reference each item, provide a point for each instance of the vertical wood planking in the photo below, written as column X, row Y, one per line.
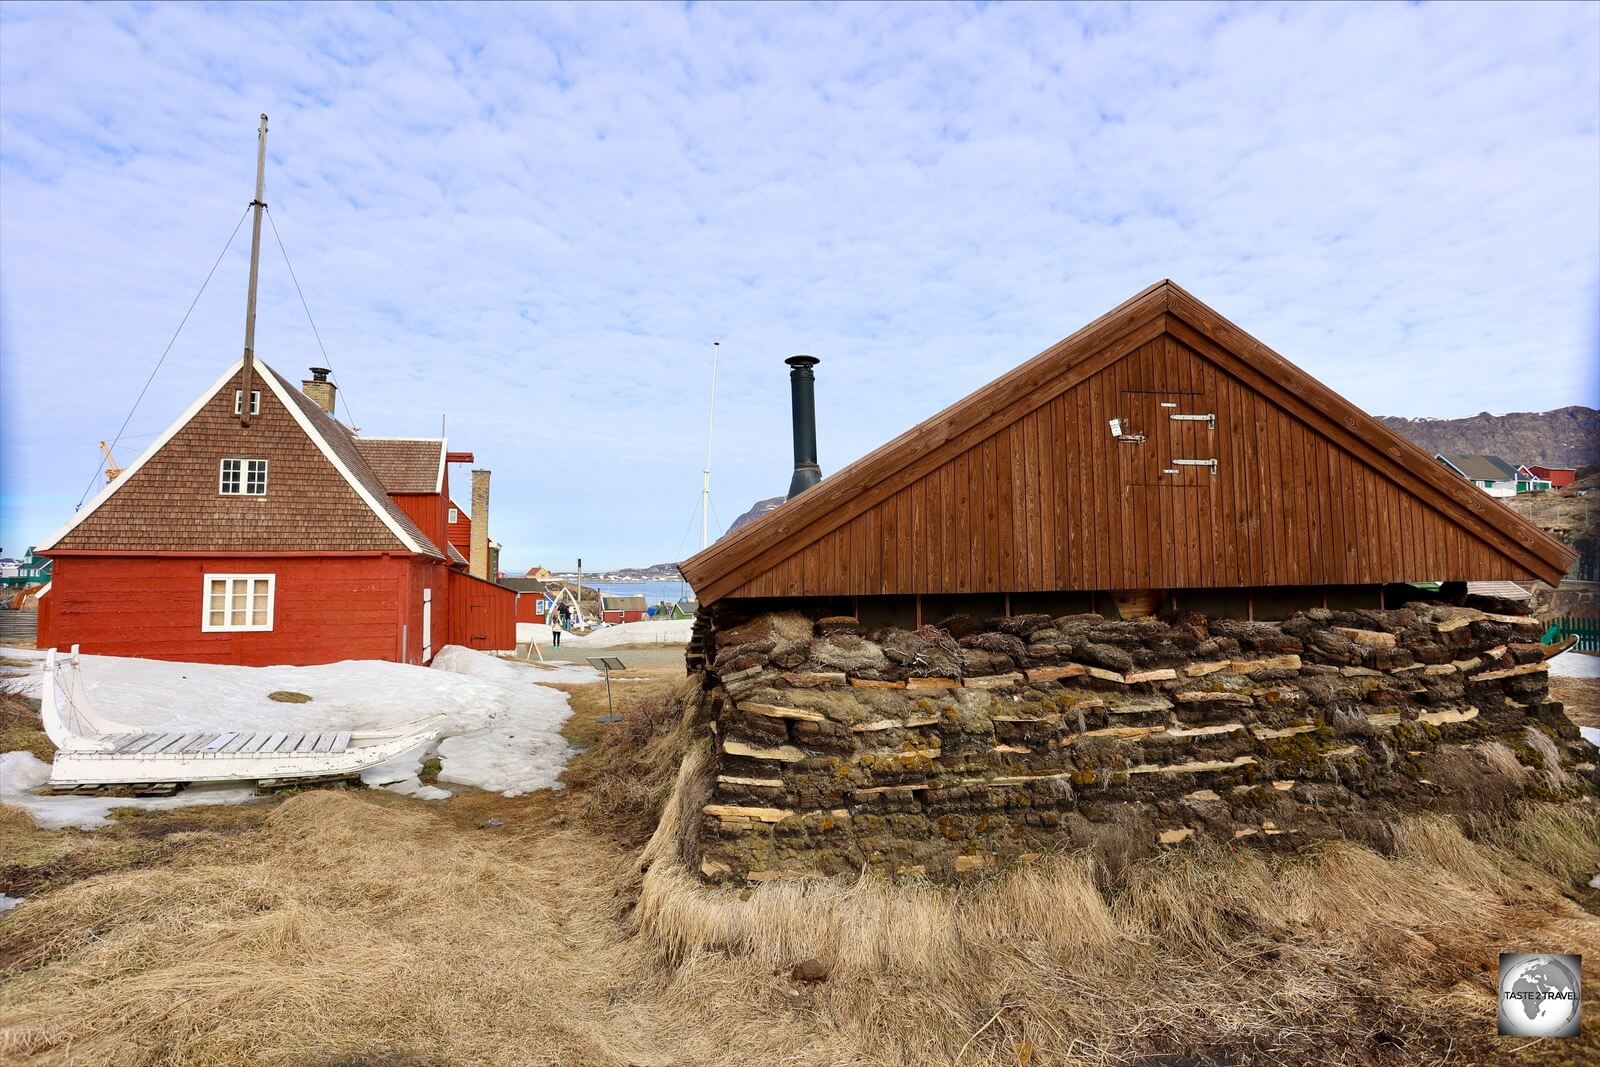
column 1049, row 501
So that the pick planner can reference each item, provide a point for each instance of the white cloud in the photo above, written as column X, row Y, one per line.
column 535, row 220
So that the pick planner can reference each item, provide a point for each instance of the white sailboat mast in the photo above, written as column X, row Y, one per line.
column 255, row 268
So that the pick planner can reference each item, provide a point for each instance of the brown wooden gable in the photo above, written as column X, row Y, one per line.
column 1022, row 487
column 168, row 501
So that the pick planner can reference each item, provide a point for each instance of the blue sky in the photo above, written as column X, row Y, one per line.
column 535, row 220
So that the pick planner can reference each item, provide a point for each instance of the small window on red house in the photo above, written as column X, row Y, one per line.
column 255, row 401
column 455, row 516
column 238, row 602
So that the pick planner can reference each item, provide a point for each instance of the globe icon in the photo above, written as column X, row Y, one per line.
column 1538, row 997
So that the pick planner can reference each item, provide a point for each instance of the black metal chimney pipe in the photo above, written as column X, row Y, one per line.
column 803, row 398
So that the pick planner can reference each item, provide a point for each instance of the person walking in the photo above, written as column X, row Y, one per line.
column 555, row 616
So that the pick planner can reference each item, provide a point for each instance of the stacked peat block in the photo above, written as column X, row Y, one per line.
column 960, row 747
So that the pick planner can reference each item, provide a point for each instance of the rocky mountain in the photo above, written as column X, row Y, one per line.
column 1565, row 437
column 656, row 572
column 758, row 509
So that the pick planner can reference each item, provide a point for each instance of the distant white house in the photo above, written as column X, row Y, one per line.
column 1490, row 473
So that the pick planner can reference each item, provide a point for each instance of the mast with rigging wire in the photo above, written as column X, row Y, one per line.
column 256, row 206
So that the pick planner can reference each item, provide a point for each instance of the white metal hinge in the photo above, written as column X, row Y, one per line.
column 1210, row 420
column 1196, row 463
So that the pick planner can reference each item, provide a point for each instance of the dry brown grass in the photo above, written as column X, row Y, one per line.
column 20, row 730
column 353, row 927
column 1581, row 696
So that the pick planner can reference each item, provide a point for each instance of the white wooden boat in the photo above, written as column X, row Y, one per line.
column 91, row 750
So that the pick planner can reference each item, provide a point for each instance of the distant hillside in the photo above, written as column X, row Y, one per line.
column 656, row 572
column 758, row 509
column 1565, row 437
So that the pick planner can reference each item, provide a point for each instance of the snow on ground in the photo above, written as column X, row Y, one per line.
column 499, row 729
column 1576, row 665
column 649, row 632
column 21, row 773
column 511, row 753
column 7, row 903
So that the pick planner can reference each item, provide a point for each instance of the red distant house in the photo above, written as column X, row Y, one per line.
column 460, row 529
column 1558, row 477
column 616, row 608
column 273, row 534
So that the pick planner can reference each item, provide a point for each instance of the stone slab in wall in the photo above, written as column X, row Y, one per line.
column 918, row 752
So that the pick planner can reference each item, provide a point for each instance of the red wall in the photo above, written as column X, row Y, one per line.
column 1558, row 477
column 528, row 607
column 460, row 531
column 622, row 616
column 426, row 510
column 482, row 615
column 46, row 620
column 327, row 608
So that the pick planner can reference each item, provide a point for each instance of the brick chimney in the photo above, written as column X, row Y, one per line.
column 478, row 561
column 318, row 388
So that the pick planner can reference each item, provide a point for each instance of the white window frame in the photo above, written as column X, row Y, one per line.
column 255, row 401
column 455, row 515
column 250, row 580
column 246, row 464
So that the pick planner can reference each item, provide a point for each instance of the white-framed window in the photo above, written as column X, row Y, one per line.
column 455, row 516
column 255, row 401
column 243, row 477
column 237, row 602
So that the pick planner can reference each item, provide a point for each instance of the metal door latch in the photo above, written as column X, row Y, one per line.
column 1125, row 438
column 1212, row 463
column 1210, row 420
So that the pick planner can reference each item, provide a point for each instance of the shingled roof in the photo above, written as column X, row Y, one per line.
column 1481, row 468
column 406, row 464
column 347, row 453
column 166, row 500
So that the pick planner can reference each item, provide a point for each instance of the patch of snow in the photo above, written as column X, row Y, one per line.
column 7, row 903
column 499, row 729
column 22, row 772
column 510, row 753
column 648, row 632
column 1590, row 734
column 1576, row 665
column 402, row 775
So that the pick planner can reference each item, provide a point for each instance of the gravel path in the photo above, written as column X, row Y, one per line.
column 631, row 656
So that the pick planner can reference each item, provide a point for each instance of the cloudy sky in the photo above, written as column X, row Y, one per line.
column 535, row 221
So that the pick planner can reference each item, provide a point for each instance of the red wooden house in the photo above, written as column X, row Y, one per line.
column 273, row 535
column 459, row 532
column 618, row 608
column 1558, row 477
